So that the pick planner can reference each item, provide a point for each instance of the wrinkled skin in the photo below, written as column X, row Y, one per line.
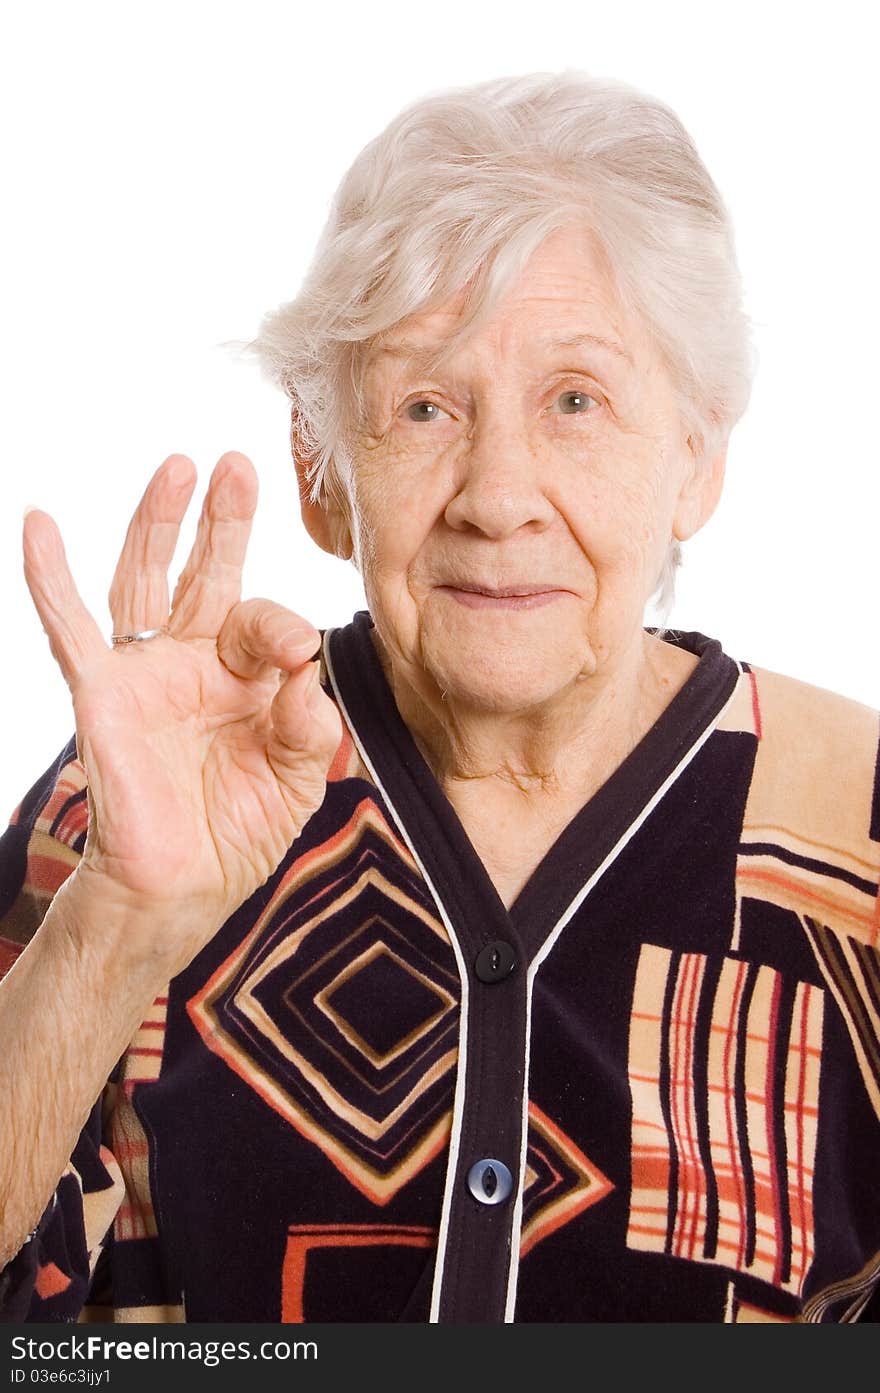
column 564, row 471
column 207, row 749
column 517, row 463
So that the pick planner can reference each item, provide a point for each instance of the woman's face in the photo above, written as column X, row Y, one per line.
column 511, row 511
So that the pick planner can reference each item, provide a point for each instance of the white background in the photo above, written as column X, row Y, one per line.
column 167, row 169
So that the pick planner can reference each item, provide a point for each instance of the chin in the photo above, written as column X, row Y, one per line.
column 502, row 666
column 503, row 687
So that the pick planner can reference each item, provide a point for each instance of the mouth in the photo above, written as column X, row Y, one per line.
column 523, row 595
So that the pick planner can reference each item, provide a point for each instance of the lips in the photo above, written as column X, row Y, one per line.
column 523, row 595
column 503, row 592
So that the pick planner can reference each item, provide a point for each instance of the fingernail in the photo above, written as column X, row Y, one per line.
column 179, row 471
column 31, row 508
column 299, row 637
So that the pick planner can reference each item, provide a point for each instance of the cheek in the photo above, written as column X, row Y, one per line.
column 395, row 523
column 620, row 510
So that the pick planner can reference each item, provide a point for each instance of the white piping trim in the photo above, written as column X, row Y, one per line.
column 458, row 1099
column 513, row 1273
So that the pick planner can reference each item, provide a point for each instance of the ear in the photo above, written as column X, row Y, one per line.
column 327, row 522
column 700, row 492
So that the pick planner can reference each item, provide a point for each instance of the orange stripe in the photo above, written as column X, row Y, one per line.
column 293, row 1273
column 339, row 763
column 801, row 891
column 650, row 1172
column 756, row 707
column 46, row 874
column 9, row 951
column 759, row 829
column 51, row 1281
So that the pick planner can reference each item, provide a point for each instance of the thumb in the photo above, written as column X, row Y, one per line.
column 305, row 735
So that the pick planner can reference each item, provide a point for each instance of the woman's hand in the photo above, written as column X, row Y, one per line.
column 207, row 749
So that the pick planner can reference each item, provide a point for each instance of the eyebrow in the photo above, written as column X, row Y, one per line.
column 404, row 348
column 588, row 340
column 423, row 353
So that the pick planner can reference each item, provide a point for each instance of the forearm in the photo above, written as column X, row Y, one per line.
column 68, row 1008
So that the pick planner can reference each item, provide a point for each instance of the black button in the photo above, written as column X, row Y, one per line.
column 490, row 1181
column 495, row 962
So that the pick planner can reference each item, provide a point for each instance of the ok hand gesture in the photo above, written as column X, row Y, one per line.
column 206, row 748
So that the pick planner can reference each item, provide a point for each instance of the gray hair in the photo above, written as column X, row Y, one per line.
column 457, row 193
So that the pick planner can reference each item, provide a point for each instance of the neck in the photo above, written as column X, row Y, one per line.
column 565, row 747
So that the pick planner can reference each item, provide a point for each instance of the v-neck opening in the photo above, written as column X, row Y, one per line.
column 444, row 847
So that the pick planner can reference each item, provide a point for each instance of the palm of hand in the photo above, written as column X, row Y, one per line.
column 206, row 749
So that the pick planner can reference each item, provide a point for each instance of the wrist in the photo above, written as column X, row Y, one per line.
column 101, row 922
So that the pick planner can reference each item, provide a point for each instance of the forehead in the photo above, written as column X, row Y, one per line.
column 563, row 296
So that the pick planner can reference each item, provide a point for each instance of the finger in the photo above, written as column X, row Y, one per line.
column 139, row 589
column 210, row 582
column 258, row 637
column 306, row 730
column 74, row 637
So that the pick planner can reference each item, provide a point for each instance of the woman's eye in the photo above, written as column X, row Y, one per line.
column 424, row 411
column 574, row 403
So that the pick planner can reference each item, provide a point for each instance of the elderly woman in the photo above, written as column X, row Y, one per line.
column 492, row 957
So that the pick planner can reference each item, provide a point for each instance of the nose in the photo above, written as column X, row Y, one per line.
column 499, row 485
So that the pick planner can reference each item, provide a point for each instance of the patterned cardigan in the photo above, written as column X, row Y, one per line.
column 649, row 1091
